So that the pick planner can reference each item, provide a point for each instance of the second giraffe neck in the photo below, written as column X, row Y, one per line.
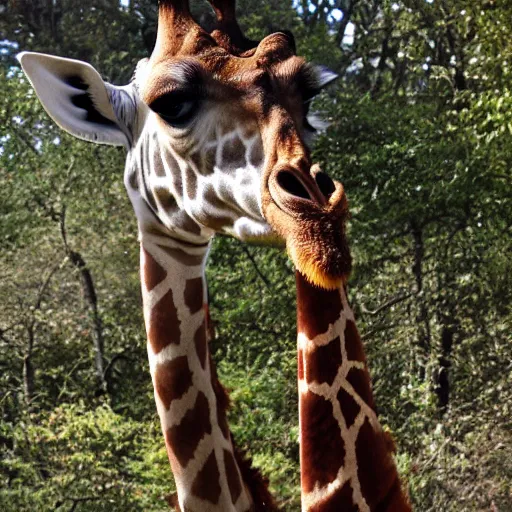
column 346, row 457
column 189, row 403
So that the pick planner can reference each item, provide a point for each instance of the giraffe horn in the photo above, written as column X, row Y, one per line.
column 174, row 23
column 228, row 34
column 177, row 6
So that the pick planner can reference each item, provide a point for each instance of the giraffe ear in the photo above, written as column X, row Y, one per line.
column 325, row 76
column 78, row 100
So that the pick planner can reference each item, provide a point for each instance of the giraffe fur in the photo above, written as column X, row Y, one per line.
column 346, row 456
column 190, row 400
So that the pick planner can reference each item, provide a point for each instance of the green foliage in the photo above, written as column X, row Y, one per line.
column 420, row 135
column 93, row 457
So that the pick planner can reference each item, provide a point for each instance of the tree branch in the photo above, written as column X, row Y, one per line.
column 90, row 297
column 387, row 304
column 255, row 265
column 347, row 15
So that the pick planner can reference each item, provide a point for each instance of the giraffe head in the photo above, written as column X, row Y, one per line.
column 216, row 130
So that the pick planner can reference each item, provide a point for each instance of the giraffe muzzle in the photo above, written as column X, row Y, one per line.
column 308, row 210
column 295, row 191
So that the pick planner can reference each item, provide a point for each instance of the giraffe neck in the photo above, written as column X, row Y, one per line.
column 346, row 457
column 189, row 399
column 196, row 192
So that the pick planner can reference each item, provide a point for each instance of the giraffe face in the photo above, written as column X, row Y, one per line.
column 203, row 151
column 203, row 129
column 216, row 131
column 236, row 122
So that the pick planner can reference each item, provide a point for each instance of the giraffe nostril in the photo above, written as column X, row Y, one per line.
column 291, row 184
column 325, row 184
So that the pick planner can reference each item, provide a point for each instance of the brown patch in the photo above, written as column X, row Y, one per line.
column 324, row 362
column 164, row 325
column 154, row 273
column 233, row 154
column 341, row 499
column 396, row 500
column 166, row 200
column 158, row 165
column 234, row 484
column 256, row 155
column 353, row 344
column 206, row 486
column 349, row 407
column 133, row 180
column 222, row 400
column 184, row 438
column 360, row 381
column 191, row 260
column 220, row 222
column 196, row 160
column 300, row 364
column 172, row 380
column 376, row 469
column 210, row 195
column 176, row 177
column 322, row 448
column 200, row 344
column 204, row 160
column 246, row 182
column 182, row 220
column 191, row 183
column 316, row 308
column 194, row 294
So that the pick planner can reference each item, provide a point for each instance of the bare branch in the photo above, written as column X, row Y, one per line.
column 380, row 328
column 386, row 305
column 111, row 364
column 347, row 16
column 255, row 265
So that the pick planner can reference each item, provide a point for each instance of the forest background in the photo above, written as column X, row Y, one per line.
column 420, row 134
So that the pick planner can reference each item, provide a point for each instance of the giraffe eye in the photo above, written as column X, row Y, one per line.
column 175, row 110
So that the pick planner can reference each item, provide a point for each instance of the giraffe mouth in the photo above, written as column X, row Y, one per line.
column 310, row 212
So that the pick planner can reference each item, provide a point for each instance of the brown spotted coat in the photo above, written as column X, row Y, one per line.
column 346, row 457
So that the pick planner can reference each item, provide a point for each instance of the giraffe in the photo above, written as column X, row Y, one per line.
column 346, row 456
column 216, row 130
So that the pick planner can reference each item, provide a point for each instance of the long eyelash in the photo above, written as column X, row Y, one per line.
column 171, row 98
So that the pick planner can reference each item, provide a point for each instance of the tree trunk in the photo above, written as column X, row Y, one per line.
column 347, row 16
column 422, row 318
column 28, row 378
column 90, row 297
column 442, row 379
